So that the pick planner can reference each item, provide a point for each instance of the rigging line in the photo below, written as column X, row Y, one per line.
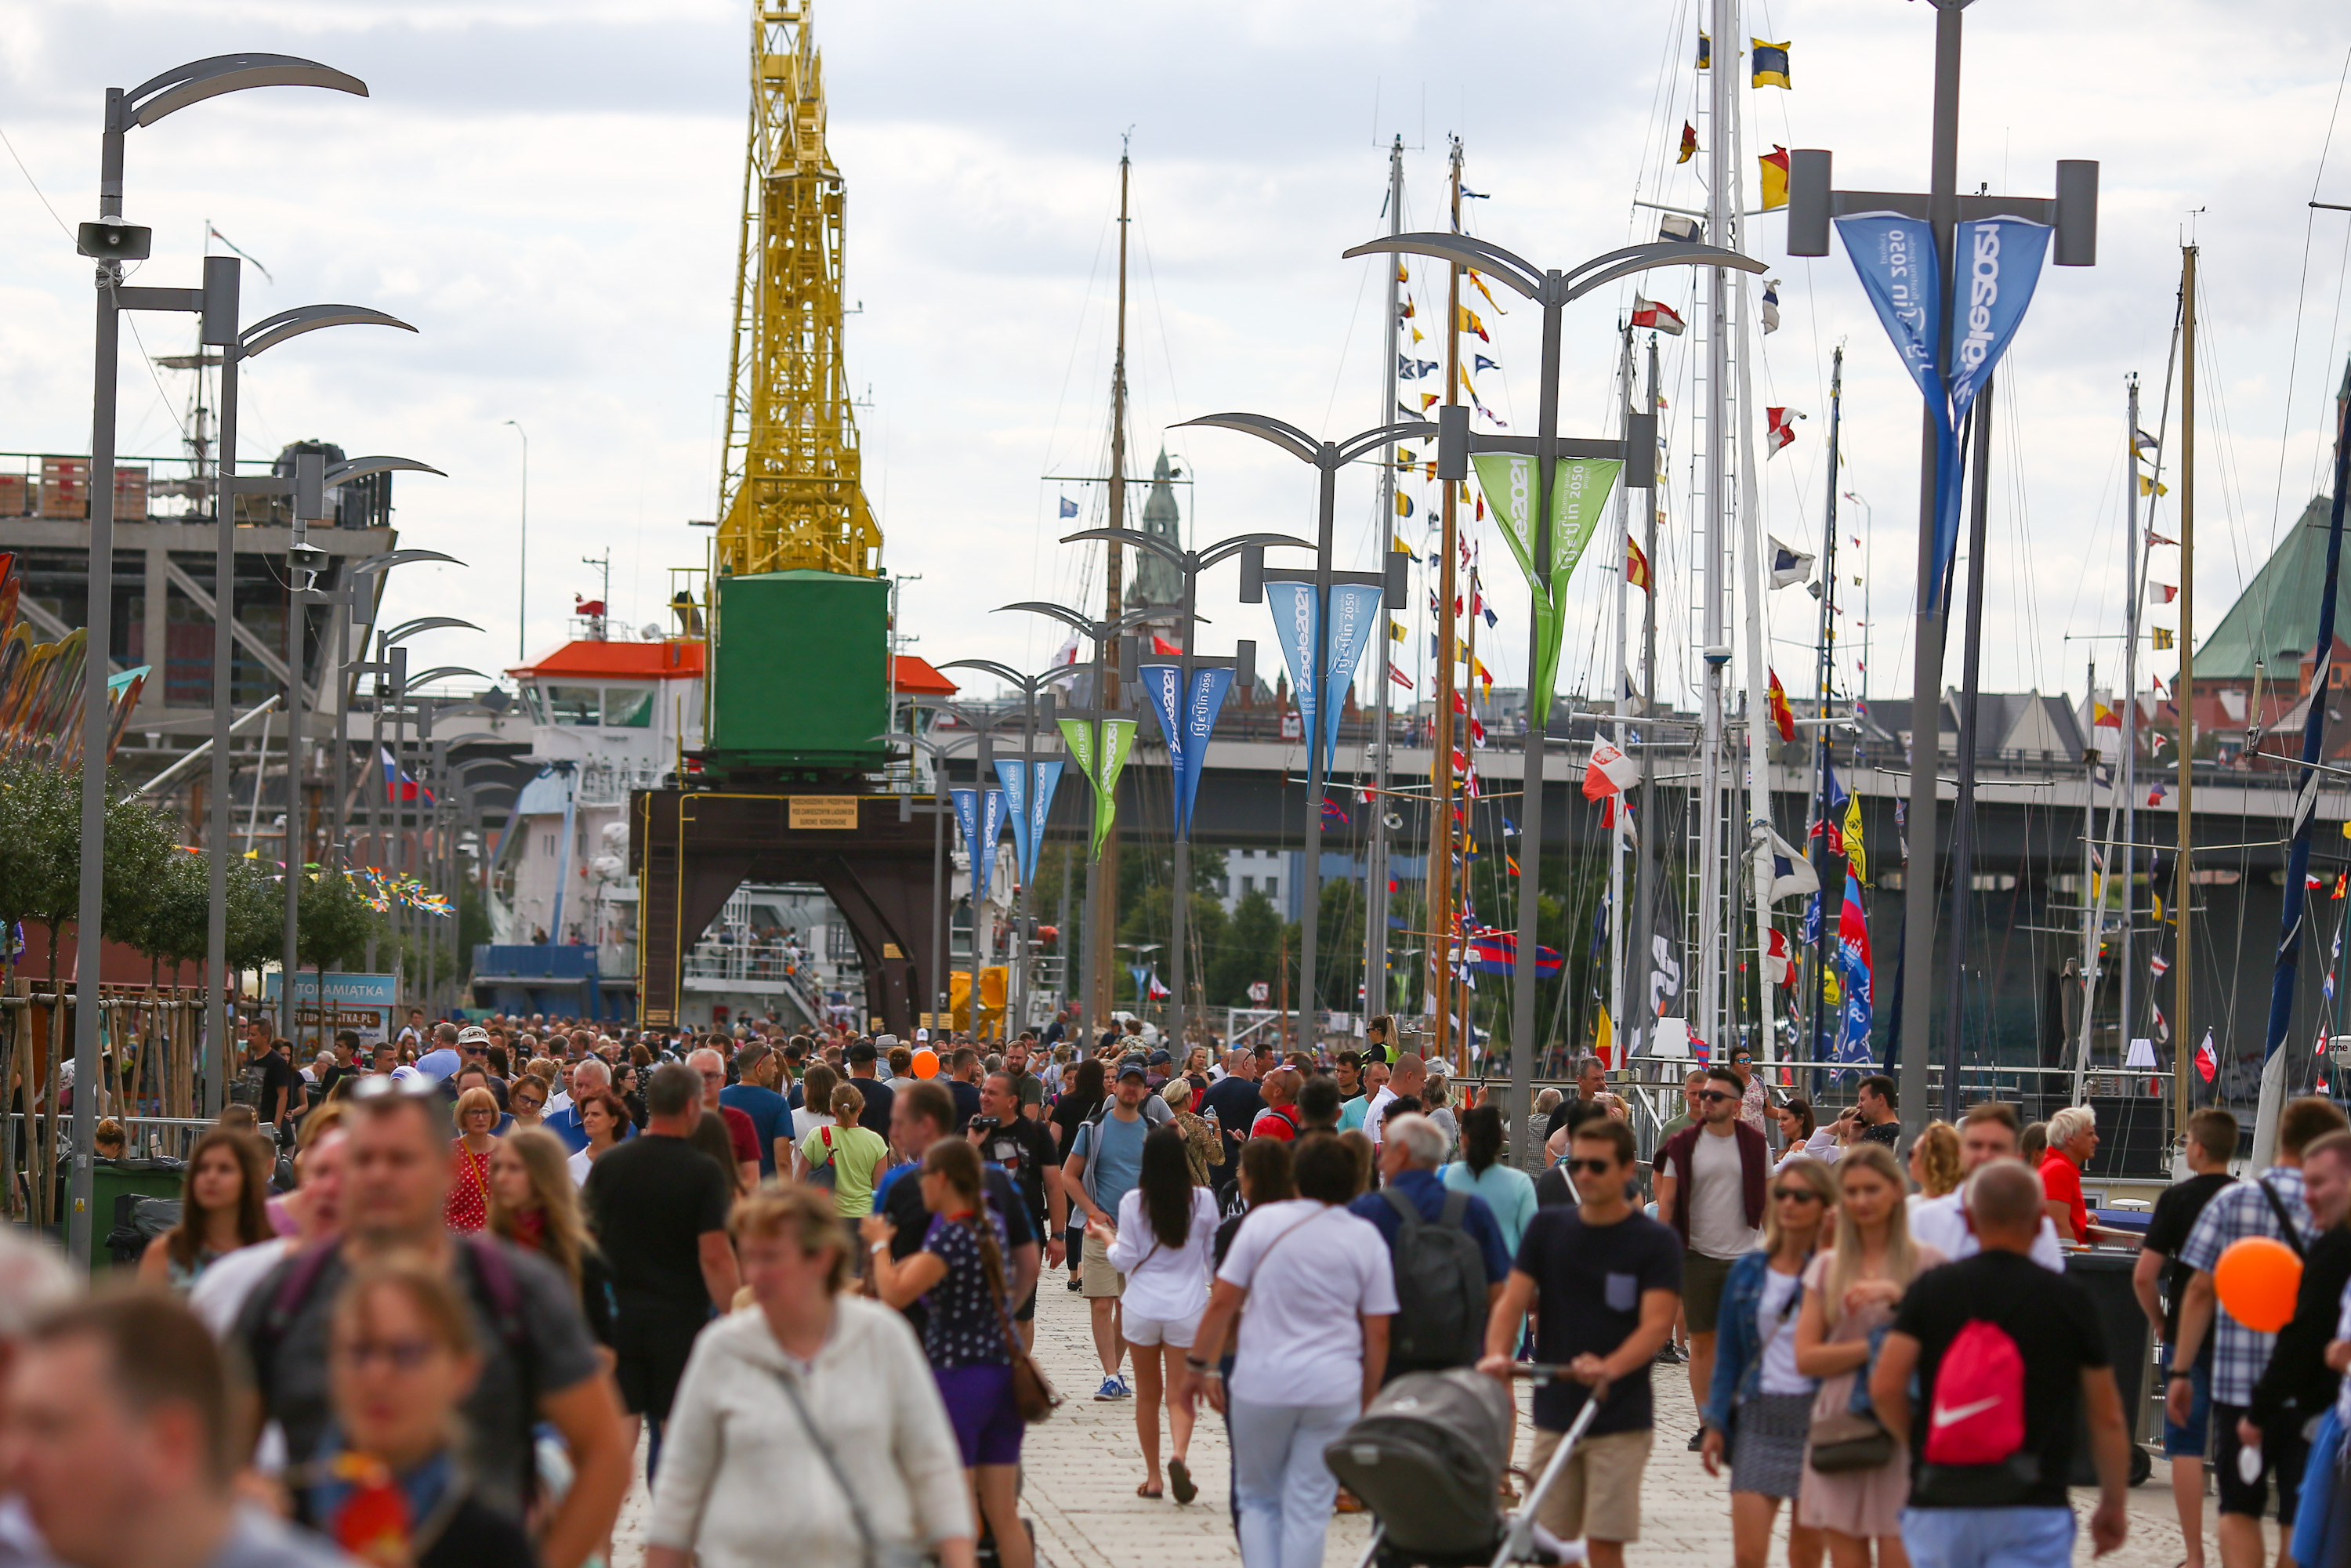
column 63, row 227
column 2301, row 292
column 1347, row 343
column 2233, row 471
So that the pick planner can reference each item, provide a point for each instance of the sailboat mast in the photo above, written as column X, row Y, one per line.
column 2183, row 690
column 1713, row 485
column 1826, row 943
column 1101, row 893
column 1623, row 706
column 1376, row 870
column 1441, row 805
column 2130, row 727
column 1643, row 873
column 2093, row 894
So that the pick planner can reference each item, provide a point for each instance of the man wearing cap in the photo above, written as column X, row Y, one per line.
column 1104, row 1165
column 473, row 1047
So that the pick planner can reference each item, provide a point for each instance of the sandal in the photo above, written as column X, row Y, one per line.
column 1179, row 1476
column 1147, row 1489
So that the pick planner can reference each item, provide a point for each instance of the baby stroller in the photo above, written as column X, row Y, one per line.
column 1428, row 1458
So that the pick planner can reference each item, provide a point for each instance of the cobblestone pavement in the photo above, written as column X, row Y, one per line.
column 1082, row 1466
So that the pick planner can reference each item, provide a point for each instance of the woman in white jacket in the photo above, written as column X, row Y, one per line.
column 808, row 1382
column 1166, row 1228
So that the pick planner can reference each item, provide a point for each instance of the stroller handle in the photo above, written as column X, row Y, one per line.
column 1540, row 1371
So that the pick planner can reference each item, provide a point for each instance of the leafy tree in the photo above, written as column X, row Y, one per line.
column 256, row 916
column 40, row 822
column 1250, row 950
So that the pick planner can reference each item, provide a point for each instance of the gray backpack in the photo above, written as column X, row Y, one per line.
column 1441, row 1287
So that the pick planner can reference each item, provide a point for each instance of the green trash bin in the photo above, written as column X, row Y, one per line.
column 113, row 1179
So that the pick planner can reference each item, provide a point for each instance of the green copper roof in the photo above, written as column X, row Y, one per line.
column 2275, row 619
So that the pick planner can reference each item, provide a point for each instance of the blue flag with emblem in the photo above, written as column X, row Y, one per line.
column 1186, row 720
column 991, row 828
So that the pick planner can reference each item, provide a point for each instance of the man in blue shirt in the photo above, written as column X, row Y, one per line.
column 565, row 1124
column 1104, row 1164
column 755, row 1096
column 1409, row 1156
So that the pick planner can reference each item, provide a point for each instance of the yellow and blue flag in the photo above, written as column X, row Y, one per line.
column 1770, row 64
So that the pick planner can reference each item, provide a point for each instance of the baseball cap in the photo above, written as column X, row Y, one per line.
column 473, row 1034
column 1131, row 1068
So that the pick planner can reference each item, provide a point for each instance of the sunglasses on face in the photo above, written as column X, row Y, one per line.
column 1712, row 1095
column 1795, row 1195
column 1589, row 1167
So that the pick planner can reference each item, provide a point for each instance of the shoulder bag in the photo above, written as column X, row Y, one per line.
column 871, row 1552
column 1034, row 1393
column 1854, row 1438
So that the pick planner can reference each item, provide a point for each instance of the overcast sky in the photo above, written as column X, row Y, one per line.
column 549, row 192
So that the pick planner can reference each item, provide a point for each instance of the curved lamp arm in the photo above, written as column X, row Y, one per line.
column 362, row 468
column 1483, row 255
column 266, row 334
column 197, row 80
column 1133, row 538
column 1004, row 673
column 1641, row 258
column 1240, row 542
column 1354, row 446
column 1265, row 427
column 426, row 623
column 390, row 558
column 438, row 671
column 1057, row 612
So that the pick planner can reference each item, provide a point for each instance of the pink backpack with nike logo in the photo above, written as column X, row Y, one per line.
column 1977, row 1417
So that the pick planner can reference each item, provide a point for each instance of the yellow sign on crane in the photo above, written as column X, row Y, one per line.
column 790, row 497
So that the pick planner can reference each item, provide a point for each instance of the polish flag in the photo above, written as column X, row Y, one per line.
column 1610, row 772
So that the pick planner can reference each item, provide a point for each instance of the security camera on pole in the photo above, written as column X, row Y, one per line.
column 1904, row 244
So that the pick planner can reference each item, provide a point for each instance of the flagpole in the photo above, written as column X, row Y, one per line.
column 1375, row 869
column 1714, row 650
column 1644, row 873
column 2093, row 900
column 1963, row 813
column 1439, row 883
column 2183, row 688
column 1758, row 717
column 1623, row 706
column 1823, row 941
column 2130, row 721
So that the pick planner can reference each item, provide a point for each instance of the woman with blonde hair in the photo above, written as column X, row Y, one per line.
column 1760, row 1404
column 222, row 1208
column 852, row 1156
column 1202, row 1147
column 815, row 1383
column 468, row 1208
column 1849, row 1294
column 1935, row 1161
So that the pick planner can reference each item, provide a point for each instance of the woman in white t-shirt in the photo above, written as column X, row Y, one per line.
column 1311, row 1350
column 817, row 1085
column 1167, row 1228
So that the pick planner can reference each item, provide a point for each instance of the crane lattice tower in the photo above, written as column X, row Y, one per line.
column 791, row 497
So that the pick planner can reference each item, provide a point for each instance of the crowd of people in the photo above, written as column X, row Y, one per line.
column 426, row 1302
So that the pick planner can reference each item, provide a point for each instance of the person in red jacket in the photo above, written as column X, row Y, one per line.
column 1710, row 1191
column 1279, row 1118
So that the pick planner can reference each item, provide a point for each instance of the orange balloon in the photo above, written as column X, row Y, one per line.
column 926, row 1065
column 2256, row 1280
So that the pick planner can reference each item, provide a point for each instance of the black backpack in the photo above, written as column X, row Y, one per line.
column 1441, row 1287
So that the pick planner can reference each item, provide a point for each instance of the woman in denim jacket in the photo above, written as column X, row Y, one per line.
column 1759, row 1406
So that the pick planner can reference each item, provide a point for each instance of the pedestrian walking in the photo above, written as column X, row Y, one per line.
column 1710, row 1191
column 1444, row 1250
column 1085, row 1088
column 1606, row 1337
column 1160, row 1242
column 222, row 1208
column 1934, row 1162
column 1851, row 1292
column 2273, row 1204
column 819, row 1385
column 658, row 1207
column 2297, row 1392
column 539, row 1364
column 2161, row 1281
column 1308, row 1355
column 126, row 1443
column 959, row 1273
column 402, row 1354
column 469, row 1154
column 1105, row 1163
column 2008, row 1360
column 604, row 1120
column 1987, row 1134
column 851, row 1154
column 1754, row 1094
column 1760, row 1406
column 1508, row 1192
column 535, row 1206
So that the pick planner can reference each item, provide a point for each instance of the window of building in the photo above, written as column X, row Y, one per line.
column 1249, row 885
column 627, row 707
column 573, row 704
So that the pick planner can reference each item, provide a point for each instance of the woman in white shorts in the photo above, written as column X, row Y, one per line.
column 1165, row 1232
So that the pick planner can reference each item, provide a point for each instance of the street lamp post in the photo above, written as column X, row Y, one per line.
column 1036, row 704
column 1113, row 652
column 1553, row 290
column 1188, row 728
column 938, row 809
column 110, row 242
column 1309, row 655
column 359, row 601
column 1813, row 203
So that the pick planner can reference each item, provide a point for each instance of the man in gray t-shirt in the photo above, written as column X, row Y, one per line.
column 1710, row 1181
column 539, row 1362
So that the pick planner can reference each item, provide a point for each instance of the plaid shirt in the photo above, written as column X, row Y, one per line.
column 2238, row 1354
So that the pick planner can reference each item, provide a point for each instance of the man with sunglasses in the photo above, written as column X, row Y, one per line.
column 1710, row 1191
column 1604, row 1279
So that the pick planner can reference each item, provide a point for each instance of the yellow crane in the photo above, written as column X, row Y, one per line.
column 791, row 497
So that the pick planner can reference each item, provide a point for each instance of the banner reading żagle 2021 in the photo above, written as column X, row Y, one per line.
column 1579, row 492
